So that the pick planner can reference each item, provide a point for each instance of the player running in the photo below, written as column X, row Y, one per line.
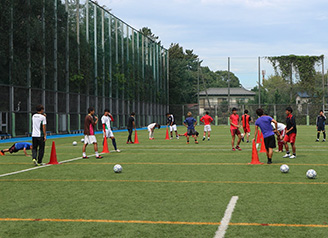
column 264, row 122
column 207, row 125
column 173, row 125
column 321, row 121
column 290, row 133
column 190, row 123
column 90, row 122
column 17, row 147
column 105, row 120
column 234, row 129
column 151, row 128
column 281, row 135
column 246, row 120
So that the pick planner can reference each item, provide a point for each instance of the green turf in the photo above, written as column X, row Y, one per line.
column 166, row 180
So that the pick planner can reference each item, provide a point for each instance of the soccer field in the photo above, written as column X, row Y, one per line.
column 167, row 189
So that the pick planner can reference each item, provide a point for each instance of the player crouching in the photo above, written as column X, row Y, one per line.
column 151, row 128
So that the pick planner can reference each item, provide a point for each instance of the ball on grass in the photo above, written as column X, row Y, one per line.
column 74, row 143
column 284, row 168
column 82, row 140
column 117, row 168
column 311, row 174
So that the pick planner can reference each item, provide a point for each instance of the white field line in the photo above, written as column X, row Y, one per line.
column 43, row 166
column 226, row 218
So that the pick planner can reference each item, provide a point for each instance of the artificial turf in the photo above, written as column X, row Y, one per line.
column 166, row 181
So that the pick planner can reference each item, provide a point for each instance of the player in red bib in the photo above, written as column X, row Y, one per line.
column 246, row 119
column 207, row 119
column 234, row 129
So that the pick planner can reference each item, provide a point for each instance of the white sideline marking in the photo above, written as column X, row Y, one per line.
column 226, row 218
column 43, row 166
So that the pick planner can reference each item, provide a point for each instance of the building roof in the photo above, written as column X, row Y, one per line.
column 224, row 92
column 303, row 95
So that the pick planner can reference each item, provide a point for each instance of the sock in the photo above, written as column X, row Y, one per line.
column 324, row 135
column 114, row 143
column 84, row 154
column 96, row 152
column 287, row 152
column 318, row 135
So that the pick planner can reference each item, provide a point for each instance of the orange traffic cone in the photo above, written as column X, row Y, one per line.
column 255, row 156
column 262, row 150
column 136, row 141
column 258, row 139
column 105, row 147
column 167, row 134
column 53, row 155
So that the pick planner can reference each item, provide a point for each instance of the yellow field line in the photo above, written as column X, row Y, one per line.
column 161, row 222
column 160, row 163
column 159, row 181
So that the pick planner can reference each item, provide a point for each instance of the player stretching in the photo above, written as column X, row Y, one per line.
column 264, row 122
column 246, row 119
column 234, row 129
column 151, row 127
column 105, row 120
column 173, row 125
column 207, row 125
column 89, row 133
column 321, row 121
column 290, row 133
column 280, row 136
column 190, row 123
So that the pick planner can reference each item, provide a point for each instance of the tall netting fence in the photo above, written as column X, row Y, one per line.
column 70, row 55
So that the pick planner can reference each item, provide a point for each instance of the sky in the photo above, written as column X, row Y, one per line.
column 240, row 29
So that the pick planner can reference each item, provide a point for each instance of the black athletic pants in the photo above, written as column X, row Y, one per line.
column 38, row 142
column 130, row 134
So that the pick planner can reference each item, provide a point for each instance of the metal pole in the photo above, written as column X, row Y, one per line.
column 67, row 67
column 95, row 56
column 259, row 74
column 323, row 85
column 55, row 68
column 198, row 69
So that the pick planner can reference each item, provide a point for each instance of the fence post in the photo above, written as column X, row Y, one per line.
column 216, row 115
column 275, row 111
column 198, row 122
column 13, row 130
column 307, row 115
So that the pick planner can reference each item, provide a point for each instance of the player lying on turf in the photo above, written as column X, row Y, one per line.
column 207, row 119
column 190, row 123
column 151, row 128
column 105, row 120
column 321, row 121
column 17, row 147
column 264, row 122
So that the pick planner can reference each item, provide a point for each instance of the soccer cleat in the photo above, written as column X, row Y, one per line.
column 317, row 140
column 171, row 137
column 35, row 162
column 324, row 140
column 203, row 138
column 286, row 156
column 238, row 148
column 196, row 142
column 178, row 138
column 188, row 142
column 118, row 151
column 233, row 149
column 243, row 139
column 2, row 153
column 292, row 157
column 208, row 139
column 85, row 157
column 247, row 141
column 99, row 157
column 269, row 161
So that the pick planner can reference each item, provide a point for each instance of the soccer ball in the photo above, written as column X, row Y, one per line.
column 311, row 174
column 74, row 143
column 117, row 168
column 284, row 168
column 82, row 140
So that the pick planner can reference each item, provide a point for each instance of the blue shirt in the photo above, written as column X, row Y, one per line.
column 22, row 145
column 190, row 121
column 264, row 122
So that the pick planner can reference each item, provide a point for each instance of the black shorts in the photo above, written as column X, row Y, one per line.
column 191, row 132
column 270, row 142
column 321, row 128
column 13, row 149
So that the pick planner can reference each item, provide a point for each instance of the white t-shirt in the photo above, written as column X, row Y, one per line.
column 106, row 120
column 38, row 120
column 281, row 126
column 151, row 126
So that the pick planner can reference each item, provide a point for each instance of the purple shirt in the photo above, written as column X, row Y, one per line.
column 264, row 122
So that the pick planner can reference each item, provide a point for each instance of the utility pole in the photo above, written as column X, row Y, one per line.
column 259, row 72
column 228, row 84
